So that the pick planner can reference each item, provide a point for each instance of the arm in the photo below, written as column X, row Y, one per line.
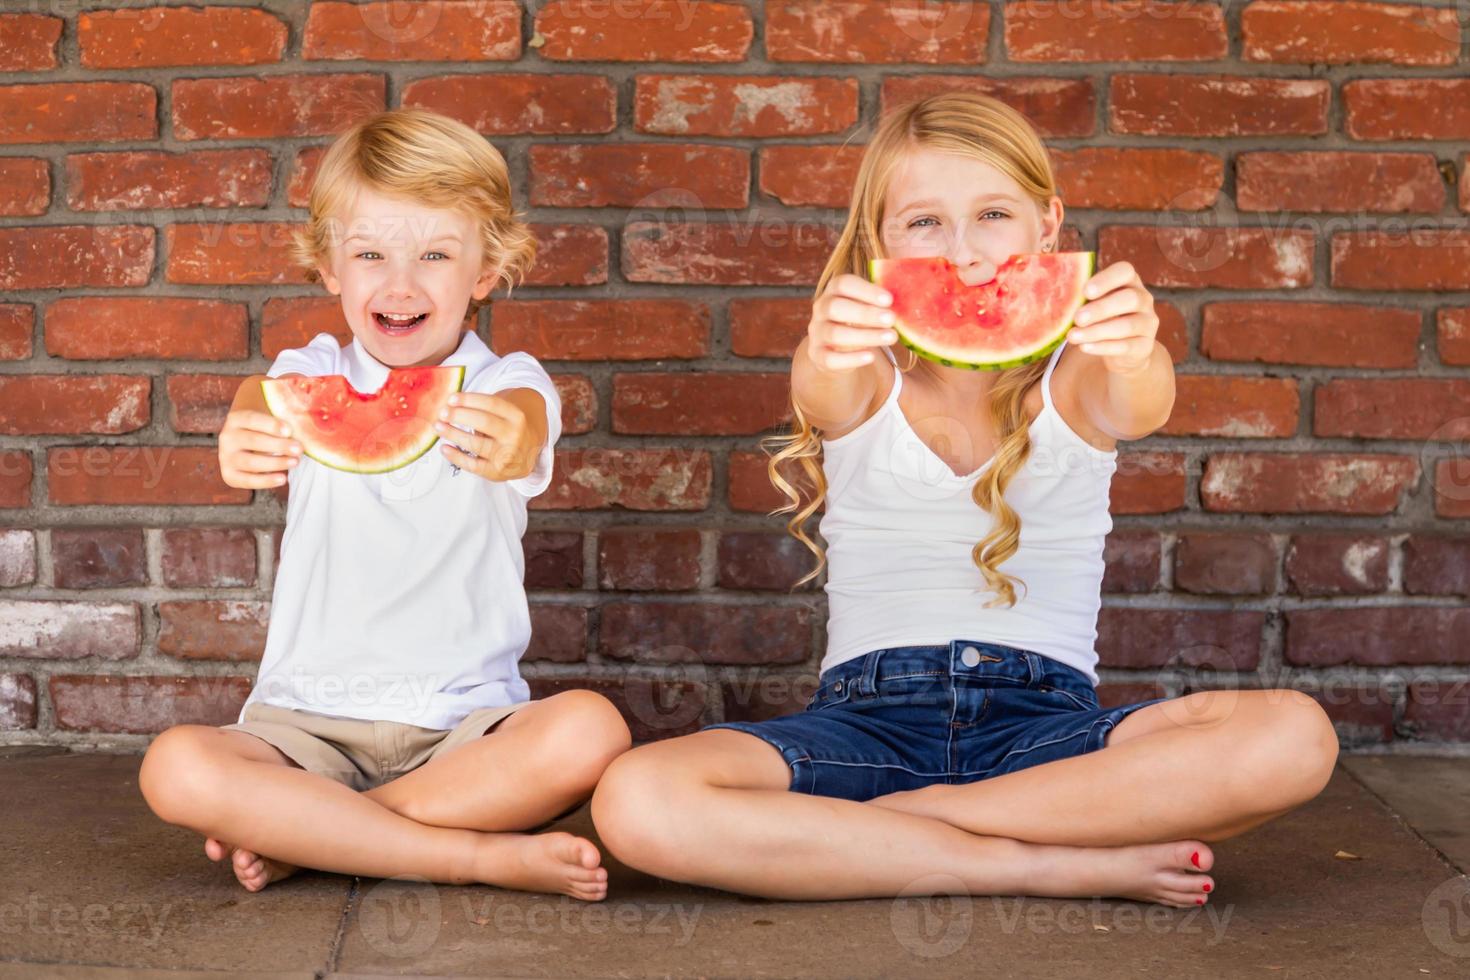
column 833, row 401
column 1129, row 405
column 834, row 372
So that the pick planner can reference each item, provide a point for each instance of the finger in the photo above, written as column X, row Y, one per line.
column 479, row 422
column 843, row 337
column 1130, row 327
column 858, row 288
column 858, row 313
column 257, row 481
column 1112, row 348
column 259, row 422
column 262, row 463
column 1113, row 305
column 260, row 442
column 497, row 405
column 846, row 361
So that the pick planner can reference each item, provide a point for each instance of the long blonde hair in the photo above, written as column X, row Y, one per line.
column 991, row 131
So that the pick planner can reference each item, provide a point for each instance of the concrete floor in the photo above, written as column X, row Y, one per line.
column 94, row 886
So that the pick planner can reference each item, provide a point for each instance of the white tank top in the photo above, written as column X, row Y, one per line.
column 900, row 527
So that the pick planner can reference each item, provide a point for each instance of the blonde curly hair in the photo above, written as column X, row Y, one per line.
column 427, row 158
column 991, row 131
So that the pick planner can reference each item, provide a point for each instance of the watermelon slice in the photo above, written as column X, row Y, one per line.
column 340, row 427
column 1018, row 317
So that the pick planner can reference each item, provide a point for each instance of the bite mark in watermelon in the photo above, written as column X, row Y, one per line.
column 340, row 427
column 1018, row 317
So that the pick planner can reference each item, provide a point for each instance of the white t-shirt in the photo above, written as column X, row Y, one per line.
column 400, row 596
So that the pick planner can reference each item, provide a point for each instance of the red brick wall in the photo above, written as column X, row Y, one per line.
column 1289, row 177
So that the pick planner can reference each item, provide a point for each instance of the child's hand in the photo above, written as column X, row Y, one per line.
column 255, row 451
column 1120, row 323
column 504, row 442
column 849, row 317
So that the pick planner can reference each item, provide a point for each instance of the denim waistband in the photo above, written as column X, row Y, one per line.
column 975, row 660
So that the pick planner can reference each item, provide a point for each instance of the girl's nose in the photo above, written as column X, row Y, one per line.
column 977, row 272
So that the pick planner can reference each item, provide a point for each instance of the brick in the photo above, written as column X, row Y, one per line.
column 1328, row 564
column 17, row 323
column 287, row 323
column 38, row 404
column 1316, row 334
column 633, row 479
column 143, row 705
column 240, row 254
column 1115, row 695
column 558, row 633
column 578, row 403
column 151, row 475
column 1452, row 332
column 1452, row 487
column 762, row 560
column 569, row 255
column 1147, row 483
column 1173, row 331
column 1438, row 710
column 161, row 37
column 1390, row 183
column 15, row 478
column 1427, row 258
column 94, row 328
column 1377, row 636
column 201, row 402
column 767, row 696
column 750, row 488
column 743, row 105
column 17, row 702
column 1217, row 105
column 17, row 557
column 639, row 175
column 303, row 173
column 900, row 31
column 768, row 327
column 768, row 252
column 648, row 559
column 1211, row 257
column 698, row 404
column 1105, row 31
column 646, row 30
column 703, row 633
column 150, row 179
column 602, row 329
column 1437, row 564
column 1393, row 408
column 1234, row 406
column 654, row 708
column 78, row 112
column 1206, row 639
column 227, row 629
column 553, row 559
column 1124, row 179
column 1055, row 106
column 809, row 175
column 499, row 104
column 28, row 43
column 25, row 186
column 208, row 557
column 69, row 630
column 273, row 106
column 1407, row 108
column 1131, row 561
column 1225, row 563
column 1302, row 483
column 73, row 256
column 447, row 30
column 1340, row 32
column 98, row 557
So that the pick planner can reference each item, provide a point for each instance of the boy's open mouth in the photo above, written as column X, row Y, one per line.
column 395, row 323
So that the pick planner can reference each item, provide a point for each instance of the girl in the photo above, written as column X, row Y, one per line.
column 951, row 736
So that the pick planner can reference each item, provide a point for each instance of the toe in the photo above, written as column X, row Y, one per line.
column 1194, row 856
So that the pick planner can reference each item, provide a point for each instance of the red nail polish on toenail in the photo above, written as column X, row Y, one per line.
column 1199, row 901
column 1207, row 888
column 1194, row 859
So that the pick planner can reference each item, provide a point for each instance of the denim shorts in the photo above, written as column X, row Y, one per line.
column 906, row 717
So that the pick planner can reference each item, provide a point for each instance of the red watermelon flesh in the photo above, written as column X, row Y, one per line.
column 1018, row 317
column 345, row 429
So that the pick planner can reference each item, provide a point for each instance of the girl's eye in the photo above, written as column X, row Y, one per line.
column 987, row 213
column 915, row 222
column 364, row 255
column 440, row 254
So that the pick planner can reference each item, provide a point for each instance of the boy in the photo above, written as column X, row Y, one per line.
column 389, row 731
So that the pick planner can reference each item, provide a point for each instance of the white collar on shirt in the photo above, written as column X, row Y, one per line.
column 366, row 373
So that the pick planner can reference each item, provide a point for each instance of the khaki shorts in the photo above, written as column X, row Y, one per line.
column 362, row 754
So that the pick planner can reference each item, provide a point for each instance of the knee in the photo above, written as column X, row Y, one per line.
column 177, row 772
column 1295, row 750
column 584, row 734
column 636, row 807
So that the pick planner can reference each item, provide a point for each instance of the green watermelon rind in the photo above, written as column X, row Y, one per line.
column 347, row 465
column 1052, row 344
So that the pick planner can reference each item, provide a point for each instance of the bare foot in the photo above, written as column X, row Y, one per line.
column 1169, row 874
column 557, row 862
column 254, row 871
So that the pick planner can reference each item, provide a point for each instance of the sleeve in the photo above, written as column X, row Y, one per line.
column 319, row 357
column 521, row 370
